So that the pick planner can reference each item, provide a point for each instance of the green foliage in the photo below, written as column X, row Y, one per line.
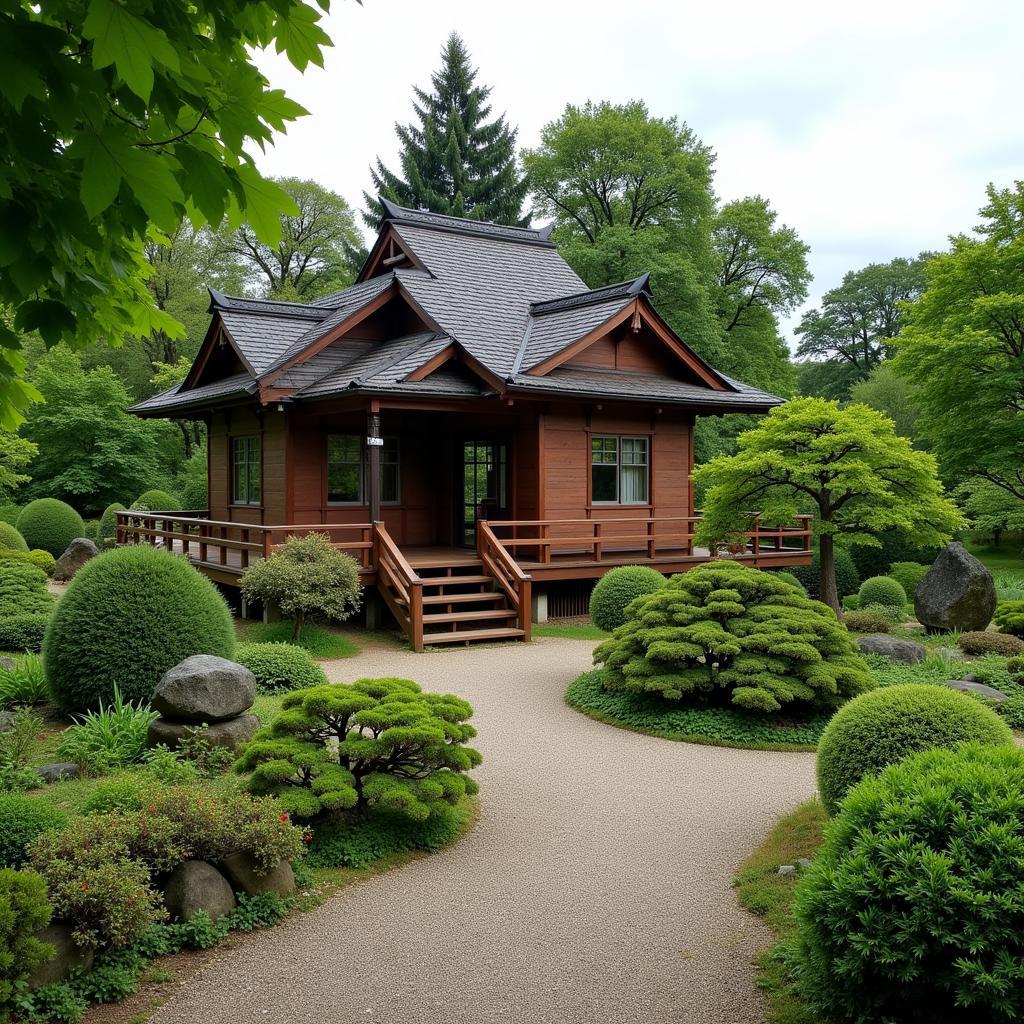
column 305, row 578
column 23, row 632
column 883, row 727
column 1012, row 711
column 108, row 524
column 111, row 737
column 49, row 524
column 10, row 539
column 847, row 465
column 208, row 759
column 192, row 483
column 280, row 667
column 157, row 501
column 375, row 745
column 358, row 844
column 893, row 396
column 24, row 912
column 726, row 634
column 15, row 455
column 791, row 578
column 9, row 514
column 867, row 621
column 24, row 683
column 22, row 819
column 984, row 642
column 991, row 508
column 874, row 560
column 908, row 575
column 127, row 617
column 154, row 137
column 257, row 910
column 19, row 748
column 25, row 606
column 39, row 558
column 322, row 643
column 1009, row 617
column 723, row 727
column 847, row 578
column 455, row 160
column 56, row 1004
column 910, row 910
column 882, row 590
column 616, row 589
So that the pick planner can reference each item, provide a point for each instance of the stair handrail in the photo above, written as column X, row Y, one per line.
column 499, row 562
column 394, row 571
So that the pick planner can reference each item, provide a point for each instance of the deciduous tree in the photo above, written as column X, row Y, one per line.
column 890, row 394
column 16, row 454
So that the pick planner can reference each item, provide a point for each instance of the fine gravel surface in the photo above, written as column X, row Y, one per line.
column 595, row 889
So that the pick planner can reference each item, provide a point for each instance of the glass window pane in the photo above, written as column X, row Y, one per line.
column 603, row 483
column 604, row 450
column 344, row 468
column 634, row 485
column 389, row 482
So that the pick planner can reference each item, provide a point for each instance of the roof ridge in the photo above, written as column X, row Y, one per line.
column 624, row 289
column 238, row 303
column 394, row 213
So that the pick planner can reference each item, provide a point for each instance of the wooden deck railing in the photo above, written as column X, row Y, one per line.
column 499, row 563
column 399, row 585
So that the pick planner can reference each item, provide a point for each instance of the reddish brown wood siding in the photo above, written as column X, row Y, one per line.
column 624, row 350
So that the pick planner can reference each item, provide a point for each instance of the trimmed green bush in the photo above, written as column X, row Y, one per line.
column 39, row 558
column 887, row 725
column 895, row 547
column 156, row 500
column 50, row 524
column 867, row 621
column 23, row 633
column 788, row 577
column 22, row 818
column 9, row 514
column 881, row 590
column 616, row 589
column 908, row 575
column 847, row 578
column 10, row 539
column 911, row 911
column 108, row 524
column 127, row 617
column 1009, row 617
column 725, row 633
column 23, row 589
column 983, row 641
column 24, row 912
column 279, row 668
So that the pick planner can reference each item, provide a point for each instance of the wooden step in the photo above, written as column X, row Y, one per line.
column 449, row 567
column 487, row 613
column 479, row 597
column 466, row 635
column 447, row 581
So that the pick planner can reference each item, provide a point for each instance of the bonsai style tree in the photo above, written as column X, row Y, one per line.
column 847, row 465
column 728, row 634
column 306, row 577
column 377, row 743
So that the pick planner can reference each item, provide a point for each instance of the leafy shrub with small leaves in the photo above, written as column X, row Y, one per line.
column 24, row 682
column 1015, row 666
column 9, row 514
column 40, row 559
column 373, row 745
column 207, row 758
column 911, row 910
column 111, row 737
column 788, row 577
column 23, row 632
column 867, row 621
column 156, row 500
column 881, row 590
column 257, row 910
column 10, row 539
column 1012, row 711
column 279, row 667
column 23, row 590
column 908, row 575
column 128, row 616
column 19, row 746
column 24, row 912
column 885, row 726
column 1009, row 618
column 126, row 792
column 986, row 642
column 108, row 524
column 49, row 524
column 58, row 1003
column 728, row 634
column 850, row 603
column 22, row 819
column 305, row 578
column 893, row 547
column 616, row 589
column 847, row 578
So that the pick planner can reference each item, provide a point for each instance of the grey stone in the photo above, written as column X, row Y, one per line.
column 957, row 592
column 910, row 652
column 76, row 554
column 949, row 653
column 970, row 686
column 804, row 862
column 787, row 869
column 6, row 664
column 240, row 869
column 6, row 720
column 197, row 885
column 231, row 733
column 68, row 957
column 59, row 770
column 205, row 688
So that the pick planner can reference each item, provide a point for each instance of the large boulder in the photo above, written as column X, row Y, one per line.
column 68, row 955
column 197, row 885
column 204, row 688
column 76, row 554
column 231, row 734
column 240, row 868
column 973, row 686
column 957, row 592
column 57, row 770
column 910, row 652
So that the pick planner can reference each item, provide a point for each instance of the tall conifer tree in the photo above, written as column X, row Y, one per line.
column 455, row 160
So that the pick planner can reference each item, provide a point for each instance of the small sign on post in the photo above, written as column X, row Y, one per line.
column 375, row 442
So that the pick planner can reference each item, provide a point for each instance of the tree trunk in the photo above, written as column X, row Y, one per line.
column 827, row 581
column 297, row 627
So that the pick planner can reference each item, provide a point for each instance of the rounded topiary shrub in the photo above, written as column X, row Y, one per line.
column 616, row 589
column 280, row 667
column 788, row 577
column 727, row 634
column 10, row 539
column 847, row 579
column 156, row 500
column 885, row 726
column 108, row 523
column 9, row 514
column 22, row 818
column 128, row 616
column 912, row 909
column 881, row 590
column 867, row 621
column 23, row 631
column 983, row 641
column 1009, row 617
column 908, row 575
column 49, row 524
column 40, row 559
column 24, row 912
column 23, row 589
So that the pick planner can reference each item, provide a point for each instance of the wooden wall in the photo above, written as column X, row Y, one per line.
column 272, row 429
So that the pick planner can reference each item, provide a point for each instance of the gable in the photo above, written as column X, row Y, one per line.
column 389, row 253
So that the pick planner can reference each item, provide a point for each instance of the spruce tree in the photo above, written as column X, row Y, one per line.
column 455, row 161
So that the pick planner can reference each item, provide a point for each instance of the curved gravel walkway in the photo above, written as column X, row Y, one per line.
column 594, row 890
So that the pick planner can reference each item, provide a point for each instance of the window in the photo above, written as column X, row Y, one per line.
column 245, row 470
column 348, row 470
column 619, row 470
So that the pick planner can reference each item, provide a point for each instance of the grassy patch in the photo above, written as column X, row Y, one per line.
column 720, row 727
column 323, row 643
column 570, row 630
column 763, row 891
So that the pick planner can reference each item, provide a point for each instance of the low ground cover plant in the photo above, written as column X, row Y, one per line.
column 988, row 642
column 19, row 747
column 280, row 667
column 868, row 620
column 49, row 524
column 24, row 682
column 616, row 589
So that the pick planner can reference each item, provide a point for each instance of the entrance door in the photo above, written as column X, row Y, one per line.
column 484, row 492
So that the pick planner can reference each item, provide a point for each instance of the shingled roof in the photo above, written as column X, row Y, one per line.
column 500, row 298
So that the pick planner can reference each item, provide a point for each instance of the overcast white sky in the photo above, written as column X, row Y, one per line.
column 871, row 126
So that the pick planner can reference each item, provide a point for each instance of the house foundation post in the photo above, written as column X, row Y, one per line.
column 374, row 443
column 539, row 603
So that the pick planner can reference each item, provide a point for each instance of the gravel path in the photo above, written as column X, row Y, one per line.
column 594, row 890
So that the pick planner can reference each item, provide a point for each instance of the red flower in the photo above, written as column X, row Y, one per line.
column 284, row 817
column 83, row 887
column 307, row 837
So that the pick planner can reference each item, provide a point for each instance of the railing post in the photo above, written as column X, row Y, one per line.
column 268, row 542
column 416, row 614
column 204, row 532
column 651, row 543
column 755, row 538
column 597, row 540
column 223, row 547
column 545, row 548
column 526, row 608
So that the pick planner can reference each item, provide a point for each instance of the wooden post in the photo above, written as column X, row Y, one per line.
column 374, row 442
column 416, row 614
column 597, row 540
